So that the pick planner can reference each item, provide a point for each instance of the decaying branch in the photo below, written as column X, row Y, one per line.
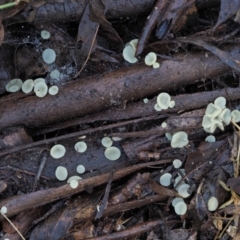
column 23, row 202
column 93, row 94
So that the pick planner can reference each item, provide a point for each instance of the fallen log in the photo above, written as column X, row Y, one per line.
column 93, row 94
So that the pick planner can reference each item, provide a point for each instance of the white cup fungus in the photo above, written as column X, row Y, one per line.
column 27, row 86
column 216, row 123
column 74, row 184
column 45, row 34
column 177, row 163
column 220, row 102
column 163, row 100
column 53, row 90
column 38, row 80
column 55, row 74
column 49, row 56
column 80, row 147
column 180, row 208
column 61, row 173
column 150, row 58
column 176, row 181
column 225, row 116
column 41, row 89
column 14, row 85
column 112, row 153
column 77, row 178
column 81, row 169
column 57, row 151
column 235, row 114
column 212, row 204
column 145, row 100
column 165, row 179
column 134, row 44
column 164, row 125
column 3, row 210
column 116, row 139
column 176, row 200
column 107, row 142
column 207, row 121
column 212, row 110
column 157, row 107
column 129, row 54
column 156, row 65
column 183, row 190
column 210, row 138
column 168, row 136
column 179, row 140
column 172, row 104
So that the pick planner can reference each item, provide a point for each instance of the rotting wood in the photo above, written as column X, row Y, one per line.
column 23, row 202
column 132, row 231
column 183, row 102
column 23, row 222
column 55, row 11
column 92, row 94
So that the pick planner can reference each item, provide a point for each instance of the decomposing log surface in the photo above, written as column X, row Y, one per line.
column 169, row 165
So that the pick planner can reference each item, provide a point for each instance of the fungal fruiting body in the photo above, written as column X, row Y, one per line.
column 57, row 151
column 216, row 115
column 179, row 140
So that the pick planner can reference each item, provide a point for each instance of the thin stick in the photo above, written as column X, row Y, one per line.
column 13, row 226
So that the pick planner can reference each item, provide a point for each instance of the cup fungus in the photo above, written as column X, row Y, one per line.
column 145, row 100
column 168, row 136
column 176, row 181
column 61, row 173
column 180, row 208
column 38, row 80
column 156, row 65
column 163, row 100
column 212, row 204
column 235, row 114
column 74, row 184
column 220, row 102
column 55, row 74
column 53, row 90
column 80, row 147
column 183, row 190
column 210, row 138
column 3, row 210
column 225, row 116
column 177, row 163
column 172, row 104
column 157, row 107
column 165, row 179
column 134, row 44
column 49, row 56
column 27, row 86
column 150, row 58
column 80, row 169
column 129, row 54
column 57, row 151
column 179, row 140
column 116, row 139
column 77, row 178
column 212, row 110
column 45, row 34
column 176, row 200
column 41, row 89
column 14, row 85
column 107, row 142
column 112, row 153
column 164, row 125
